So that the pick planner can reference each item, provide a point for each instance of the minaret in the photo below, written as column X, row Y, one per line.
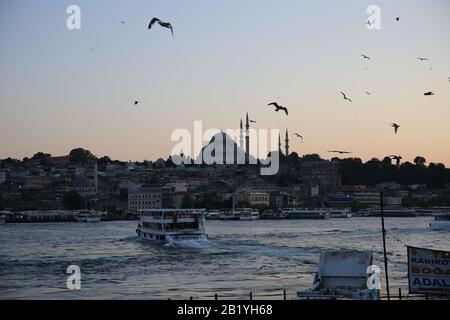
column 279, row 143
column 287, row 143
column 241, row 136
column 247, row 141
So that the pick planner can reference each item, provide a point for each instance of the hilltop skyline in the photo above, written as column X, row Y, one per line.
column 58, row 95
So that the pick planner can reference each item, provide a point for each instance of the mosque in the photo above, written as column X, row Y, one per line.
column 233, row 153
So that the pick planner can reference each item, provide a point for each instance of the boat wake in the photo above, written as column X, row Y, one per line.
column 197, row 244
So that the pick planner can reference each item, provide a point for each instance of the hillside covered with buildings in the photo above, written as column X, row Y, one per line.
column 82, row 181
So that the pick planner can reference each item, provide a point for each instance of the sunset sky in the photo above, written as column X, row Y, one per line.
column 227, row 58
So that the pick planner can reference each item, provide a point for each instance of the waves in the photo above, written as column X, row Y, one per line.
column 195, row 244
column 237, row 258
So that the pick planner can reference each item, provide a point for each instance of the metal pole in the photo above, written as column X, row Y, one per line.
column 284, row 294
column 399, row 293
column 251, row 296
column 384, row 245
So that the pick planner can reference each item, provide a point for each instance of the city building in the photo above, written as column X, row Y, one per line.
column 254, row 198
column 145, row 197
column 320, row 178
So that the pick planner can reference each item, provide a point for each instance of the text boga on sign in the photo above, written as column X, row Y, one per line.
column 429, row 271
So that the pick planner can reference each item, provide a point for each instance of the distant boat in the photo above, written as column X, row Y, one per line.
column 273, row 214
column 249, row 214
column 307, row 213
column 171, row 225
column 340, row 213
column 213, row 215
column 88, row 217
column 229, row 215
column 398, row 213
column 441, row 221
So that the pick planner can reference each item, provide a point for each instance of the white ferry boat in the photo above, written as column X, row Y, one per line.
column 172, row 224
column 90, row 216
column 306, row 213
column 213, row 215
column 340, row 213
column 441, row 221
column 229, row 215
column 249, row 214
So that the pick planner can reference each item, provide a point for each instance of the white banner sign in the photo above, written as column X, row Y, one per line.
column 429, row 271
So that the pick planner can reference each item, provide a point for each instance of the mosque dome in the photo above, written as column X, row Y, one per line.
column 222, row 149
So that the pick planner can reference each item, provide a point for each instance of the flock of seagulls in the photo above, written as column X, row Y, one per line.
column 279, row 107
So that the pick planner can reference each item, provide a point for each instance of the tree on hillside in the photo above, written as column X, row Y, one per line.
column 41, row 155
column 420, row 161
column 2, row 203
column 187, row 202
column 387, row 161
column 311, row 157
column 72, row 200
column 80, row 155
column 103, row 162
column 123, row 195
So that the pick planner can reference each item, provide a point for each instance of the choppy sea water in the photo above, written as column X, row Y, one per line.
column 263, row 257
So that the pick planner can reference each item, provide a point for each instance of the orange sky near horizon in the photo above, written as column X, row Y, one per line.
column 57, row 95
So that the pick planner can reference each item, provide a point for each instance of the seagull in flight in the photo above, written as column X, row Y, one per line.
column 339, row 151
column 369, row 93
column 345, row 97
column 136, row 103
column 161, row 23
column 252, row 121
column 422, row 59
column 122, row 22
column 398, row 18
column 365, row 57
column 298, row 136
column 395, row 126
column 431, row 93
column 278, row 107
